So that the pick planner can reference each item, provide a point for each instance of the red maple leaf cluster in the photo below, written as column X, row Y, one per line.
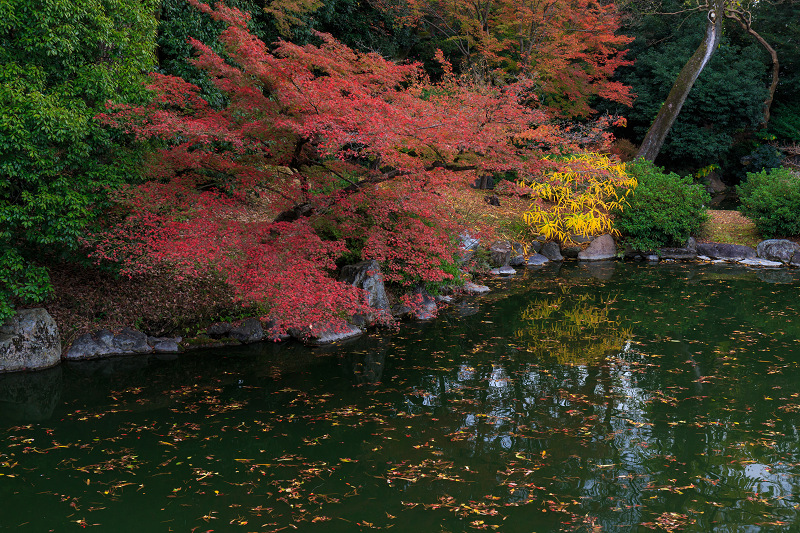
column 318, row 152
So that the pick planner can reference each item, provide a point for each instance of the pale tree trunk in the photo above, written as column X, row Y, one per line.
column 654, row 140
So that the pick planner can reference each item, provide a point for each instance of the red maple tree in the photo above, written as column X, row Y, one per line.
column 319, row 153
column 569, row 48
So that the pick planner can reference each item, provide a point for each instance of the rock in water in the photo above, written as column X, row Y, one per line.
column 600, row 249
column 248, row 331
column 728, row 252
column 552, row 251
column 321, row 333
column 367, row 276
column 760, row 262
column 537, row 260
column 29, row 340
column 503, row 271
column 103, row 343
column 777, row 250
column 500, row 253
column 474, row 288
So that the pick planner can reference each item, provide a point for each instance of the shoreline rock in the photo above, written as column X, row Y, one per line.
column 770, row 255
column 29, row 341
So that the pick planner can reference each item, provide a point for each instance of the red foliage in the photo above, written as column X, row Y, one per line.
column 570, row 48
column 363, row 142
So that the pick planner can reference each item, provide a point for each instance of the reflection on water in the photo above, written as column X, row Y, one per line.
column 571, row 328
column 624, row 398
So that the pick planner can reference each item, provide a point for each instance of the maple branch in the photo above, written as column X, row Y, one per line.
column 306, row 209
column 338, row 175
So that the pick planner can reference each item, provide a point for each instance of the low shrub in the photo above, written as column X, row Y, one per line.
column 771, row 199
column 664, row 209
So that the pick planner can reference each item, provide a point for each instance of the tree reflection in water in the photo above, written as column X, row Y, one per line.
column 615, row 399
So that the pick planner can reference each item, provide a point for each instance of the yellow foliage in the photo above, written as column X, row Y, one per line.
column 581, row 194
column 571, row 329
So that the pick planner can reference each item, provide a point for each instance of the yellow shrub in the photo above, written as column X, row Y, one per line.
column 577, row 198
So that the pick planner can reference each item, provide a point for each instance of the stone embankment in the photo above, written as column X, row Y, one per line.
column 30, row 339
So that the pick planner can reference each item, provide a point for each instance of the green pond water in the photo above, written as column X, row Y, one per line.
column 614, row 397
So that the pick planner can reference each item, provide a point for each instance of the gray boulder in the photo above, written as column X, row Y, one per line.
column 517, row 254
column 322, row 333
column 728, row 252
column 474, row 288
column 219, row 329
column 248, row 332
column 795, row 262
column 677, row 254
column 713, row 183
column 92, row 345
column 600, row 249
column 688, row 252
column 29, row 340
column 581, row 239
column 537, row 260
column 165, row 344
column 552, row 251
column 760, row 262
column 535, row 247
column 469, row 245
column 131, row 341
column 103, row 343
column 367, row 276
column 631, row 254
column 571, row 252
column 516, row 261
column 503, row 271
column 777, row 250
column 500, row 253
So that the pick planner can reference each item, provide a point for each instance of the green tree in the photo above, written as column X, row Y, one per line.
column 727, row 99
column 771, row 18
column 726, row 104
column 60, row 61
column 714, row 13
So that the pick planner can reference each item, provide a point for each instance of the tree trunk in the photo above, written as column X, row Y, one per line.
column 745, row 24
column 654, row 140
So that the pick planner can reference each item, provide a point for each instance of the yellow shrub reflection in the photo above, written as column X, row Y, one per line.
column 571, row 329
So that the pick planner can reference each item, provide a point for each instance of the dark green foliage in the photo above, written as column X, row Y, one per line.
column 727, row 98
column 59, row 63
column 785, row 121
column 726, row 105
column 357, row 23
column 179, row 21
column 665, row 209
column 435, row 288
column 771, row 199
column 776, row 22
column 764, row 157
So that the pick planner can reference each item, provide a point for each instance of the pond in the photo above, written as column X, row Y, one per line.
column 606, row 397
